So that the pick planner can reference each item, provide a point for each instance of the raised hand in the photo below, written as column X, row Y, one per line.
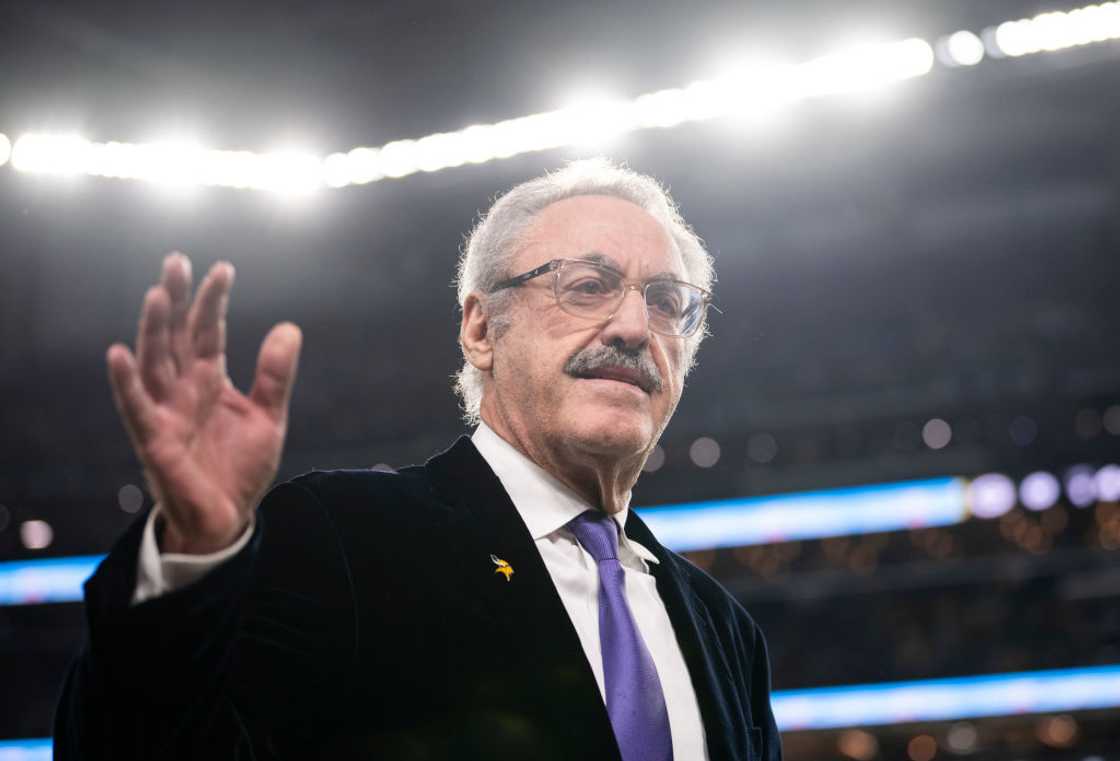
column 209, row 452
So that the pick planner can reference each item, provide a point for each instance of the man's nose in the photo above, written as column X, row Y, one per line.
column 630, row 323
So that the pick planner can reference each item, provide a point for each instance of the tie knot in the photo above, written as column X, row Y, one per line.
column 598, row 533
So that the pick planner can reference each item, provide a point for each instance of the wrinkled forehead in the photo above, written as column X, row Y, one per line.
column 605, row 229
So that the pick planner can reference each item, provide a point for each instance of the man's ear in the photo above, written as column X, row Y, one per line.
column 475, row 336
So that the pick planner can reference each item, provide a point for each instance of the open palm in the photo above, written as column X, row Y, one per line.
column 209, row 451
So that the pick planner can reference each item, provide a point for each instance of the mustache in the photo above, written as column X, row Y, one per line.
column 583, row 364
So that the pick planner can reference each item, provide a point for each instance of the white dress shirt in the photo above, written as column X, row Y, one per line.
column 546, row 506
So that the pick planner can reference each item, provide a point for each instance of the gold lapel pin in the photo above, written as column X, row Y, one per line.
column 503, row 568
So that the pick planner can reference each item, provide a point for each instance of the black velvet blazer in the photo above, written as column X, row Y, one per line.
column 365, row 620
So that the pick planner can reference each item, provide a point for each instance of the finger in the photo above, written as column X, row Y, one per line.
column 276, row 370
column 176, row 279
column 206, row 322
column 136, row 408
column 152, row 344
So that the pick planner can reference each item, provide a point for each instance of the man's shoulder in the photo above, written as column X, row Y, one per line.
column 723, row 606
column 344, row 492
column 334, row 483
column 402, row 495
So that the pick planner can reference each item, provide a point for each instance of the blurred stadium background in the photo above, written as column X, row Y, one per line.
column 901, row 449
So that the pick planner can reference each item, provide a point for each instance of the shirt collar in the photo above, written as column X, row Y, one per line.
column 545, row 504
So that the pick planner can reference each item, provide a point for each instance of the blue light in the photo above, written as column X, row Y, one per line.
column 683, row 527
column 948, row 699
column 30, row 582
column 808, row 515
column 967, row 697
column 26, row 750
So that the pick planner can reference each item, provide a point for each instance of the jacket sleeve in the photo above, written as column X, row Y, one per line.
column 223, row 666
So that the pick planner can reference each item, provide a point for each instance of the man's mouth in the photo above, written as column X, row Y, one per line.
column 620, row 374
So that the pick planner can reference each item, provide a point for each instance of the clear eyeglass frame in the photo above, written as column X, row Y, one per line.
column 604, row 306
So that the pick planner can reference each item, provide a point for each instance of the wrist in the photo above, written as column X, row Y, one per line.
column 170, row 539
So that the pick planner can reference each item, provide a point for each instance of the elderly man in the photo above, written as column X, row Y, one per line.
column 498, row 602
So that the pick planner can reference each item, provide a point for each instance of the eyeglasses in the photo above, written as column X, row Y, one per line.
column 595, row 291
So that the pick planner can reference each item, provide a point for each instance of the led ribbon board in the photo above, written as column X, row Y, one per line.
column 809, row 515
column 865, row 705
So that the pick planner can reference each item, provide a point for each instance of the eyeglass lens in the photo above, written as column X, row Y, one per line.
column 591, row 291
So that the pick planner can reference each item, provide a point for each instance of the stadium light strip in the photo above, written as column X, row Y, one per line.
column 809, row 515
column 32, row 582
column 38, row 749
column 740, row 522
column 683, row 527
column 970, row 697
column 748, row 93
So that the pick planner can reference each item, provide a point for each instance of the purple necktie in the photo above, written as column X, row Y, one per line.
column 635, row 703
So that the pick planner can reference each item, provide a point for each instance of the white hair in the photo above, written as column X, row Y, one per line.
column 493, row 243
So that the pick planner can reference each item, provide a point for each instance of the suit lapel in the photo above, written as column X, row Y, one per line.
column 695, row 630
column 534, row 635
column 531, row 634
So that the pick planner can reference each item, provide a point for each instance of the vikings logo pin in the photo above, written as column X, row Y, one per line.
column 503, row 568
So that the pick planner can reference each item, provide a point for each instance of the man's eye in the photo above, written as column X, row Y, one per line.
column 665, row 303
column 589, row 286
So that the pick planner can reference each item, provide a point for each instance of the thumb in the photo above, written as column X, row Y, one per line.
column 276, row 370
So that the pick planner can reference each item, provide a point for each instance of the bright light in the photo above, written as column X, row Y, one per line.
column 38, row 749
column 36, row 534
column 929, row 700
column 1039, row 491
column 962, row 48
column 868, row 67
column 440, row 151
column 750, row 91
column 699, row 101
column 168, row 162
column 51, row 154
column 337, row 171
column 1108, row 483
column 176, row 163
column 591, row 121
column 478, row 143
column 231, row 169
column 399, row 158
column 947, row 699
column 31, row 582
column 991, row 495
column 365, row 165
column 664, row 108
column 1057, row 31
column 807, row 515
column 173, row 162
column 1081, row 485
column 290, row 173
